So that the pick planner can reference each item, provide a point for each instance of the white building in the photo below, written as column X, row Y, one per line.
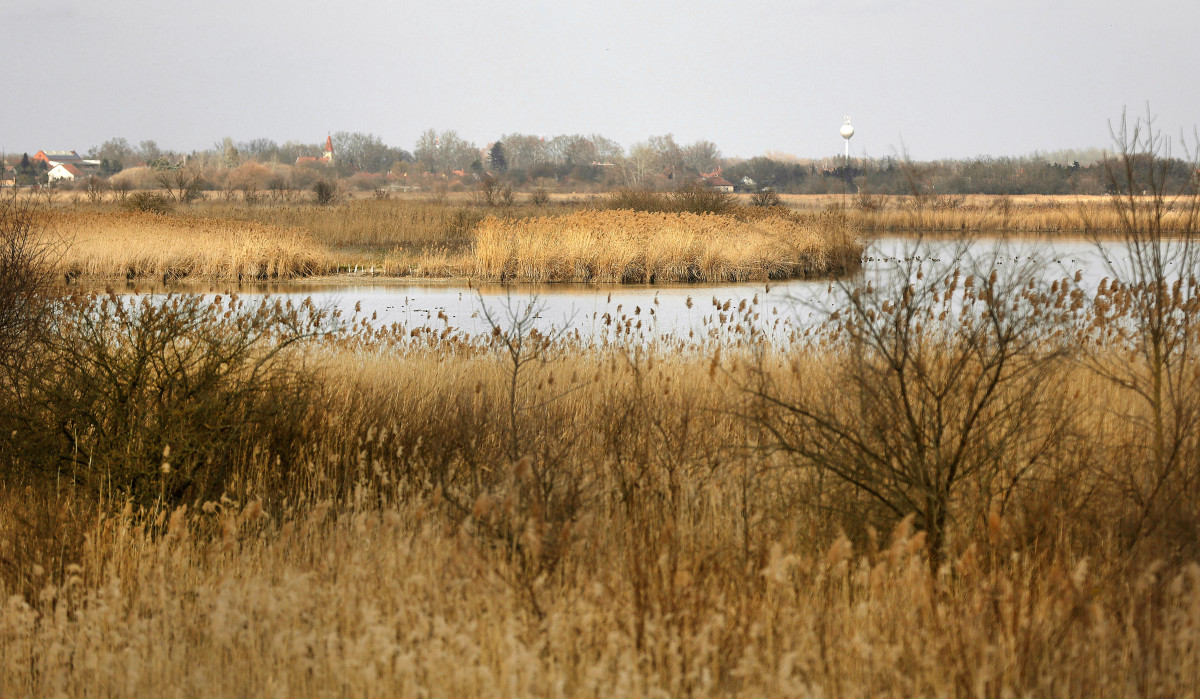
column 64, row 171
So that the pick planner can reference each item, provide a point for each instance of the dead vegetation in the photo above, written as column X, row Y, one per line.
column 644, row 247
column 964, row 483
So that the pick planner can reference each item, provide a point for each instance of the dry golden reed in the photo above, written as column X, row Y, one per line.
column 630, row 246
column 813, row 236
column 112, row 245
column 385, row 224
column 413, row 238
column 387, row 603
column 692, row 569
column 1066, row 215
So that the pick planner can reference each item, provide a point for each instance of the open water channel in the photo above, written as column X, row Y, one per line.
column 679, row 310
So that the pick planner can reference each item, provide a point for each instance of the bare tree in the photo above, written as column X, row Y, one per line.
column 120, row 188
column 524, row 150
column 701, row 156
column 1150, row 309
column 444, row 152
column 94, row 186
column 639, row 166
column 927, row 389
column 182, row 182
column 116, row 150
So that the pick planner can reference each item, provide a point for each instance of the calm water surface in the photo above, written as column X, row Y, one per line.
column 674, row 310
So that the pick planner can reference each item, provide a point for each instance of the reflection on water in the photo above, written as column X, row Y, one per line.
column 668, row 310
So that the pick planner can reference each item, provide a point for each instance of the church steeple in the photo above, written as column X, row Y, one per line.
column 328, row 155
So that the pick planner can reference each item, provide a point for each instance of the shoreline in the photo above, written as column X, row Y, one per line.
column 412, row 240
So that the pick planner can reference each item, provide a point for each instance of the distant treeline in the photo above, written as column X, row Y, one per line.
column 595, row 162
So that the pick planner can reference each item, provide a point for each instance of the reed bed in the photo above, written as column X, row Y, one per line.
column 421, row 560
column 126, row 245
column 388, row 603
column 365, row 224
column 965, row 483
column 970, row 214
column 511, row 513
column 630, row 246
column 416, row 238
column 567, row 241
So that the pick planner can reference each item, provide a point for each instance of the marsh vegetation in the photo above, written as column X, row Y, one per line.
column 970, row 480
column 456, row 237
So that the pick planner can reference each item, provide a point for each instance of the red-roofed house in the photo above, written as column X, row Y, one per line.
column 718, row 183
column 64, row 171
column 54, row 157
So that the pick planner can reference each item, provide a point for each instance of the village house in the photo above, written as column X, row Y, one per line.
column 64, row 171
column 57, row 157
column 65, row 164
column 717, row 183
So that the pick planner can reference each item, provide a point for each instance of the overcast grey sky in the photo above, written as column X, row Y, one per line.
column 938, row 78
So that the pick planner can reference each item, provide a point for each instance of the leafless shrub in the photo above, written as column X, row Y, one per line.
column 1152, row 305
column 148, row 202
column 208, row 376
column 282, row 188
column 182, row 182
column 698, row 198
column 27, row 283
column 865, row 201
column 120, row 188
column 94, row 187
column 765, row 198
column 490, row 192
column 250, row 195
column 934, row 393
column 326, row 193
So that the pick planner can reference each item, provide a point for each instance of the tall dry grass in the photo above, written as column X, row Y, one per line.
column 631, row 246
column 364, row 223
column 115, row 245
column 569, row 241
column 641, row 546
column 219, row 242
column 391, row 602
column 969, row 214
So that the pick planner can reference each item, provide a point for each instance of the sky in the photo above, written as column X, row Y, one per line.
column 927, row 78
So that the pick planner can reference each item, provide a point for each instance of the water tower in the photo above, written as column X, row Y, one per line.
column 847, row 132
